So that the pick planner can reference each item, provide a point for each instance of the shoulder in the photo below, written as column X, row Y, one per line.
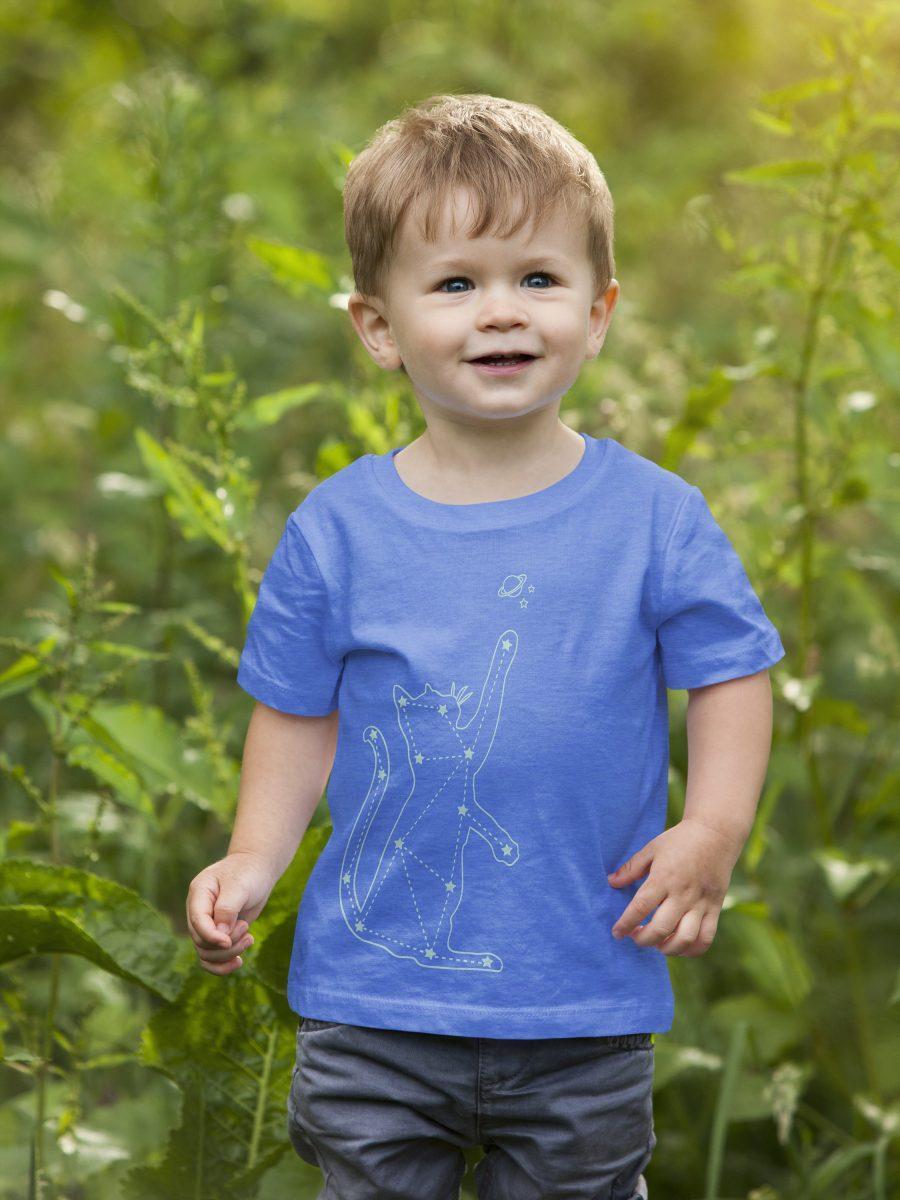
column 335, row 495
column 644, row 485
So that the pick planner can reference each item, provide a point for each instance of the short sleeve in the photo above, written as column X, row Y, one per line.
column 712, row 626
column 287, row 661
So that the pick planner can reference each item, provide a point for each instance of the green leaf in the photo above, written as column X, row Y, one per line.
column 196, row 509
column 301, row 272
column 701, row 407
column 45, row 908
column 882, row 120
column 179, row 396
column 838, row 1165
column 153, row 745
column 26, row 671
column 229, row 1044
column 225, row 653
column 845, row 876
column 64, row 582
column 782, row 174
column 772, row 1027
column 266, row 410
column 776, row 125
column 769, row 955
column 828, row 710
column 18, row 773
column 121, row 650
column 806, row 89
column 108, row 769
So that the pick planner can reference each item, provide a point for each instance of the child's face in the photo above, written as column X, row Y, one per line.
column 456, row 299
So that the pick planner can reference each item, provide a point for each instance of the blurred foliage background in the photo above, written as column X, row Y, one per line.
column 178, row 370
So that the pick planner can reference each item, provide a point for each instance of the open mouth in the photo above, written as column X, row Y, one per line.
column 502, row 364
column 502, row 360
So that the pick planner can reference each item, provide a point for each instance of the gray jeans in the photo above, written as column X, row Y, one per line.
column 385, row 1114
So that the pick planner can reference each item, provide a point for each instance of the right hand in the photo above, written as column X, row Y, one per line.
column 238, row 885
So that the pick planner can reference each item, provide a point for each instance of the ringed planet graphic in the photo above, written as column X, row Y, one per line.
column 512, row 586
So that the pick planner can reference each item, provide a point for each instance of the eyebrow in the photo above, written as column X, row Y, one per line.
column 446, row 264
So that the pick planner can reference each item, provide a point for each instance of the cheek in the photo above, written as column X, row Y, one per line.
column 565, row 328
column 436, row 334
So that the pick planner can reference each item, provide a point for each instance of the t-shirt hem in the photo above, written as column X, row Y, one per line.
column 594, row 1018
column 697, row 673
column 263, row 689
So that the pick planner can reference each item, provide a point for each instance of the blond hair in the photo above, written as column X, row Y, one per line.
column 502, row 150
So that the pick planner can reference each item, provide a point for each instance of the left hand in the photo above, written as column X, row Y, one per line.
column 689, row 876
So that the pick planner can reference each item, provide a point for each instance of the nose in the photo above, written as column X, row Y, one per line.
column 502, row 308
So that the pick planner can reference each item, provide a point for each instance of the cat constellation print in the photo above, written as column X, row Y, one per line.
column 409, row 905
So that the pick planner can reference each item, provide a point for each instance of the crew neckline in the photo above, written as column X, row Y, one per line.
column 488, row 514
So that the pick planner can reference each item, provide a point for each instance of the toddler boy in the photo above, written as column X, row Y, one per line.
column 470, row 640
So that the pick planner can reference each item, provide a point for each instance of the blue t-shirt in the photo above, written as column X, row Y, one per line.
column 500, row 670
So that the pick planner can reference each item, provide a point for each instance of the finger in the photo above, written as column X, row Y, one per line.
column 200, row 909
column 664, row 924
column 221, row 954
column 228, row 968
column 232, row 939
column 643, row 902
column 225, row 915
column 705, row 935
column 682, row 935
column 634, row 868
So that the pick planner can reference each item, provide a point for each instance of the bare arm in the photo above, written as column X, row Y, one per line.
column 729, row 734
column 729, row 729
column 286, row 764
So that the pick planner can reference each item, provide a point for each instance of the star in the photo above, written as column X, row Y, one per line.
column 359, row 925
column 451, row 886
column 506, row 643
column 398, row 842
column 382, row 774
column 443, row 710
column 346, row 877
column 531, row 587
column 372, row 736
column 523, row 603
column 402, row 702
column 461, row 809
column 487, row 961
column 419, row 758
column 507, row 849
column 429, row 953
column 469, row 753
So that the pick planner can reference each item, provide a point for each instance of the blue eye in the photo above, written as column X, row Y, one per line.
column 455, row 279
column 462, row 279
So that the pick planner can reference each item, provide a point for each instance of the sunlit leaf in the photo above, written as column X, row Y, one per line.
column 196, row 509
column 108, row 769
column 846, row 876
column 806, row 89
column 26, row 670
column 266, row 410
column 154, row 746
column 302, row 272
column 777, row 174
column 48, row 908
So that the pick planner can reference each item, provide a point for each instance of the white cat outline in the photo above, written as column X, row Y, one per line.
column 424, row 852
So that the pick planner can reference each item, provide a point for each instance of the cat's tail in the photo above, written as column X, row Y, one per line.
column 352, row 891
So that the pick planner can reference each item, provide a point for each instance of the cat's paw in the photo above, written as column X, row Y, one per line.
column 506, row 851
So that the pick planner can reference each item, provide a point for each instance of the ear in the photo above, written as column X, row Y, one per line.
column 600, row 317
column 369, row 319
